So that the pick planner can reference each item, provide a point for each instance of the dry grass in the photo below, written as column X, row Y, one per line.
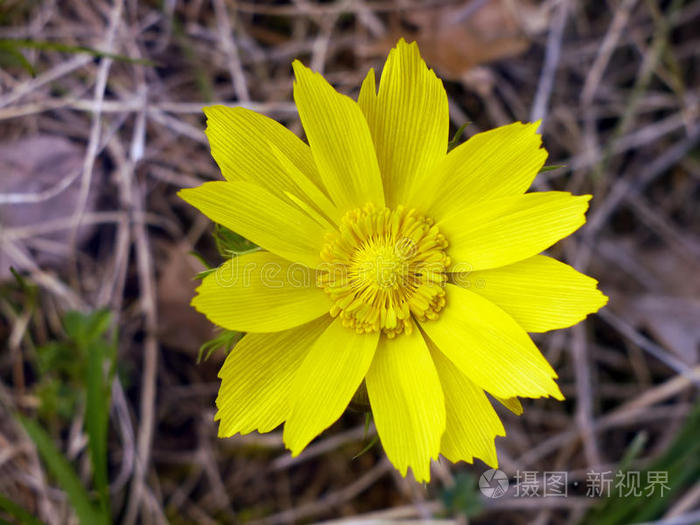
column 616, row 85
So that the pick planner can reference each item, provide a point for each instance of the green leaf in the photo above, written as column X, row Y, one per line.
column 85, row 328
column 61, row 359
column 201, row 275
column 226, row 340
column 463, row 496
column 62, row 470
column 97, row 419
column 231, row 244
column 200, row 258
column 16, row 511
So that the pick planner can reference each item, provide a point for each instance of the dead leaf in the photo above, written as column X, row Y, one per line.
column 657, row 290
column 673, row 321
column 455, row 38
column 36, row 165
column 180, row 326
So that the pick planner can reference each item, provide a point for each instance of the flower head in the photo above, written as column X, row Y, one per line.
column 385, row 261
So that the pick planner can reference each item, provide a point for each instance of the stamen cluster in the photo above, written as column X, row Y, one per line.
column 384, row 269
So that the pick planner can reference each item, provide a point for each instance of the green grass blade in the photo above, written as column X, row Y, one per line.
column 66, row 48
column 552, row 167
column 62, row 470
column 97, row 420
column 681, row 462
column 18, row 512
column 458, row 135
column 368, row 447
column 192, row 59
column 11, row 56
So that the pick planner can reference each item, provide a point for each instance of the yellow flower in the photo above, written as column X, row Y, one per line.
column 386, row 262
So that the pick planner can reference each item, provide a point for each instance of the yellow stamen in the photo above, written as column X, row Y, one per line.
column 384, row 269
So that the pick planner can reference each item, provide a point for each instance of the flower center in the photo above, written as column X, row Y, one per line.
column 384, row 269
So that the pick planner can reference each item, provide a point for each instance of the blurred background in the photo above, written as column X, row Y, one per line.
column 108, row 376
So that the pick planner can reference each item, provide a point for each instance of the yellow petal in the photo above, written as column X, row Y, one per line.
column 490, row 165
column 496, row 233
column 540, row 293
column 407, row 403
column 408, row 118
column 368, row 93
column 326, row 381
column 239, row 140
column 340, row 141
column 259, row 216
column 472, row 423
column 311, row 212
column 260, row 292
column 306, row 187
column 511, row 403
column 256, row 378
column 489, row 347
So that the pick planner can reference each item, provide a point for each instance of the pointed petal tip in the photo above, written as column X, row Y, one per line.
column 184, row 194
column 421, row 475
column 220, row 374
column 556, row 394
column 195, row 296
column 513, row 404
column 192, row 195
column 404, row 47
column 218, row 112
column 491, row 462
column 209, row 110
column 367, row 97
column 295, row 448
column 223, row 432
column 586, row 202
column 553, row 392
column 601, row 301
column 195, row 302
column 300, row 69
column 422, row 478
column 489, row 457
column 526, row 124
